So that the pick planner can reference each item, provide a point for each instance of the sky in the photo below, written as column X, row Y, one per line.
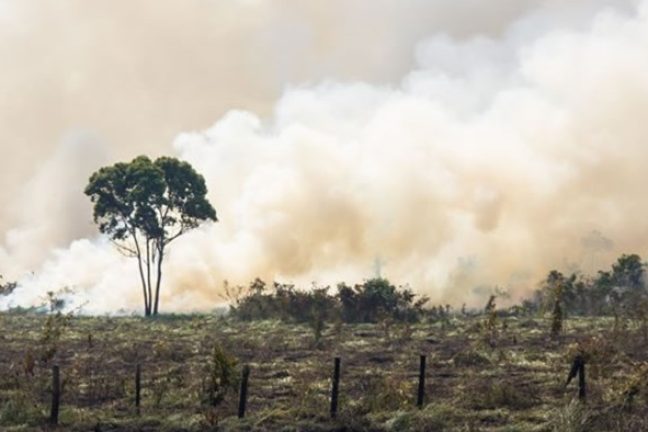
column 466, row 144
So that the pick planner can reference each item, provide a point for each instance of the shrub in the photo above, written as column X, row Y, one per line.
column 573, row 417
column 51, row 335
column 376, row 300
column 469, row 358
column 220, row 377
column 501, row 394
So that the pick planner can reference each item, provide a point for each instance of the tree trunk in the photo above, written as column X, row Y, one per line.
column 159, row 279
column 147, row 298
column 148, row 272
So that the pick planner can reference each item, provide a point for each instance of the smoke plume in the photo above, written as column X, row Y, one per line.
column 467, row 148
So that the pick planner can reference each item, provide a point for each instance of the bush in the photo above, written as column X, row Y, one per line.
column 573, row 417
column 220, row 380
column 504, row 394
column 373, row 301
column 377, row 299
column 220, row 377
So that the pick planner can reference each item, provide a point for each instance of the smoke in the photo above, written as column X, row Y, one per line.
column 136, row 74
column 512, row 135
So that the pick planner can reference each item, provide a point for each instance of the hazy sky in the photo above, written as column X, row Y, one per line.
column 485, row 125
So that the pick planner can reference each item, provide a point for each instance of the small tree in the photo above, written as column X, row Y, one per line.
column 7, row 287
column 557, row 313
column 555, row 285
column 143, row 206
column 490, row 323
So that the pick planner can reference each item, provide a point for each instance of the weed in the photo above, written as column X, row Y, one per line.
column 219, row 379
column 501, row 394
column 490, row 323
column 573, row 417
column 52, row 332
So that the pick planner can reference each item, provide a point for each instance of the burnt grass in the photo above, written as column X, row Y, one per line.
column 511, row 381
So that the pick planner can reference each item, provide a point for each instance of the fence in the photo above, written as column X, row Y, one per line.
column 577, row 368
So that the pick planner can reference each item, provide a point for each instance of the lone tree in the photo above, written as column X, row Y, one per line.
column 143, row 206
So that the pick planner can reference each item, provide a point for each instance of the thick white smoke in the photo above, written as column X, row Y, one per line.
column 491, row 162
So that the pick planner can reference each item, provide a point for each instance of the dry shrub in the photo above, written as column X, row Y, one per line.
column 51, row 335
column 486, row 394
column 220, row 381
column 385, row 393
column 470, row 358
column 598, row 352
column 573, row 417
column 26, row 396
column 312, row 397
column 490, row 323
column 637, row 385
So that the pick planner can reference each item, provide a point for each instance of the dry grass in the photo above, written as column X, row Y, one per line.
column 516, row 385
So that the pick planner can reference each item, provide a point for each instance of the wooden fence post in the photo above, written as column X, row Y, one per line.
column 243, row 394
column 421, row 383
column 138, row 387
column 335, row 387
column 578, row 368
column 582, row 392
column 56, row 395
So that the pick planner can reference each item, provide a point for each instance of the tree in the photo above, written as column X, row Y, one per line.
column 144, row 205
column 7, row 288
column 559, row 287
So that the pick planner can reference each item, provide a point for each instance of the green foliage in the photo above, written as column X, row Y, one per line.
column 621, row 288
column 377, row 299
column 220, row 377
column 219, row 380
column 374, row 301
column 143, row 205
column 51, row 335
column 281, row 302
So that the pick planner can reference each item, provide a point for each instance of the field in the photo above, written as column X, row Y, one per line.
column 511, row 379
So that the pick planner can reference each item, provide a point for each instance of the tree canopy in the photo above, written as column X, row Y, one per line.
column 144, row 205
column 621, row 287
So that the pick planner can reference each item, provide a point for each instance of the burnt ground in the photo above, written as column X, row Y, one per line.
column 509, row 380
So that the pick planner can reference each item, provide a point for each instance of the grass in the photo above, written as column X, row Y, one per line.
column 515, row 385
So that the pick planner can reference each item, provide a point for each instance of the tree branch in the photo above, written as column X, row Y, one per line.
column 124, row 250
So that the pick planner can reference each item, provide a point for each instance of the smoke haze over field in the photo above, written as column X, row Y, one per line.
column 468, row 145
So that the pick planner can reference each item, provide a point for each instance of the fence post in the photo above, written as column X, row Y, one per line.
column 421, row 383
column 138, row 387
column 335, row 388
column 243, row 394
column 582, row 393
column 578, row 367
column 56, row 395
